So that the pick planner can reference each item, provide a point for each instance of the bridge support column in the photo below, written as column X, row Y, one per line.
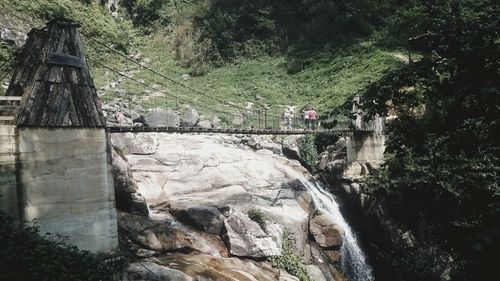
column 366, row 149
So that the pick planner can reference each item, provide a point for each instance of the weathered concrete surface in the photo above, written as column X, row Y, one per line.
column 8, row 185
column 366, row 148
column 67, row 185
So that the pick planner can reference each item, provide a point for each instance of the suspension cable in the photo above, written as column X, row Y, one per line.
column 168, row 78
column 156, row 89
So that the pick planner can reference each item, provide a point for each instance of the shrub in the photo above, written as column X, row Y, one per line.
column 308, row 153
column 324, row 139
column 25, row 256
column 258, row 216
column 289, row 260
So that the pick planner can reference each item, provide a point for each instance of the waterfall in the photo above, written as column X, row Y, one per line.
column 353, row 259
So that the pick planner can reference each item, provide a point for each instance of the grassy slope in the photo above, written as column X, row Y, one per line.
column 327, row 80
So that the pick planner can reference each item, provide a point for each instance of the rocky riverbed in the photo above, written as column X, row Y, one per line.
column 186, row 203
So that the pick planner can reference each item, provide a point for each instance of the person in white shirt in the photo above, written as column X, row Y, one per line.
column 306, row 118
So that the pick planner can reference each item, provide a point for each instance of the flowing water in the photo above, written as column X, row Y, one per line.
column 353, row 259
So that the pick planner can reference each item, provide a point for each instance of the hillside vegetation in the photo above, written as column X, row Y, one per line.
column 441, row 177
column 440, row 180
column 238, row 51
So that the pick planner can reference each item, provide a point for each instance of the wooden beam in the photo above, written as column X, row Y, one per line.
column 7, row 118
column 63, row 59
column 11, row 98
column 9, row 107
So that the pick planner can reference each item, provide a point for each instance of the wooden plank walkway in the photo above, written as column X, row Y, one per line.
column 227, row 131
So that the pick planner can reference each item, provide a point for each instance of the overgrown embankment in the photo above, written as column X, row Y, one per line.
column 247, row 52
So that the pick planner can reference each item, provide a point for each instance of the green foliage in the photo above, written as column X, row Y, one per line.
column 258, row 216
column 289, row 260
column 308, row 153
column 25, row 256
column 154, row 14
column 324, row 139
column 443, row 160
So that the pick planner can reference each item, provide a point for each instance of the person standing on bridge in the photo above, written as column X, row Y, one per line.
column 306, row 118
column 313, row 117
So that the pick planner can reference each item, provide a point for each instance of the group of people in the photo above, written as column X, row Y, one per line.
column 310, row 117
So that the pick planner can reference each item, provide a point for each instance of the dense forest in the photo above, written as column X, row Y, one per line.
column 441, row 177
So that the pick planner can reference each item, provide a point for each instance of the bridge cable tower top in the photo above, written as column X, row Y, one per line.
column 54, row 81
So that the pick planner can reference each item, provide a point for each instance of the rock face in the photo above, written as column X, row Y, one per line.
column 199, row 190
column 161, row 117
column 204, row 218
column 138, row 144
column 206, row 124
column 151, row 271
column 326, row 233
column 126, row 196
column 245, row 238
column 190, row 118
column 290, row 147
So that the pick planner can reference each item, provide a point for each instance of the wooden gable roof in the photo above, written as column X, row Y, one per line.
column 54, row 80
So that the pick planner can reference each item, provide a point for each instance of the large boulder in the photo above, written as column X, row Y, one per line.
column 290, row 147
column 325, row 231
column 190, row 118
column 245, row 238
column 139, row 144
column 160, row 117
column 148, row 236
column 259, row 142
column 212, row 268
column 205, row 124
column 315, row 273
column 238, row 120
column 145, row 270
column 205, row 218
column 126, row 196
column 132, row 114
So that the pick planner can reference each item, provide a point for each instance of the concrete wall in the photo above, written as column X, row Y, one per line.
column 8, row 184
column 366, row 147
column 67, row 185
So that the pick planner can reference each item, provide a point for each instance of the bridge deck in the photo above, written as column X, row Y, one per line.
column 227, row 131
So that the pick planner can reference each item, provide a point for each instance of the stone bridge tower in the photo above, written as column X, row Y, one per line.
column 55, row 158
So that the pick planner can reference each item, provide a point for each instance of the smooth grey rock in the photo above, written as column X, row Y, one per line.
column 290, row 147
column 245, row 238
column 325, row 231
column 204, row 218
column 145, row 271
column 216, row 122
column 315, row 273
column 160, row 117
column 204, row 124
column 285, row 276
column 259, row 142
column 190, row 118
column 19, row 38
column 161, row 232
column 238, row 120
column 126, row 196
column 131, row 114
column 209, row 170
column 139, row 144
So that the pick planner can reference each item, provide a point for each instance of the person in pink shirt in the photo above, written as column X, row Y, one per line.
column 313, row 117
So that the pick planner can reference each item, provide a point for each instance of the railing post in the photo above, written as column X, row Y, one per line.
column 130, row 109
column 265, row 119
column 258, row 112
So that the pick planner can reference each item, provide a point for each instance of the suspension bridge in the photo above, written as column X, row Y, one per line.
column 151, row 95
